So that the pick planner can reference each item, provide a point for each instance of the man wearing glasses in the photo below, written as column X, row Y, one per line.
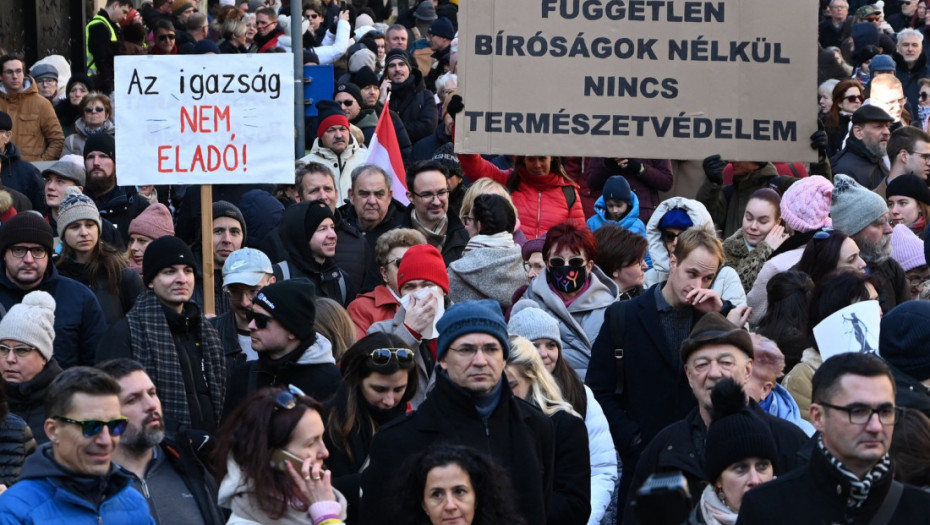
column 165, row 39
column 836, row 27
column 849, row 478
column 290, row 352
column 470, row 404
column 335, row 147
column 73, row 478
column 428, row 213
column 26, row 242
column 168, row 334
column 909, row 152
column 36, row 130
column 245, row 272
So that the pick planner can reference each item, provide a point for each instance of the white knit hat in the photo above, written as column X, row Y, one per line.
column 31, row 322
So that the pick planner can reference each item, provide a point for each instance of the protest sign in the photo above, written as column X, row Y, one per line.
column 855, row 328
column 638, row 78
column 205, row 119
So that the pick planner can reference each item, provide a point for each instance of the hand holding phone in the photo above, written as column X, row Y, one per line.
column 280, row 458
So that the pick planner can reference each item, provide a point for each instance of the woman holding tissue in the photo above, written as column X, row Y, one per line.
column 424, row 287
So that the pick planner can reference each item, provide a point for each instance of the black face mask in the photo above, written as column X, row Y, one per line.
column 567, row 279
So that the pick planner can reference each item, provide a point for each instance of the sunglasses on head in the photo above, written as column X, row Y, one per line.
column 854, row 98
column 261, row 320
column 824, row 233
column 92, row 427
column 287, row 399
column 382, row 356
column 558, row 262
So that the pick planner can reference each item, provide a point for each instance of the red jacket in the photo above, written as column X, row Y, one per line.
column 541, row 203
column 372, row 307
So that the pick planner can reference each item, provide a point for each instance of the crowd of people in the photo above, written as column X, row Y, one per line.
column 529, row 339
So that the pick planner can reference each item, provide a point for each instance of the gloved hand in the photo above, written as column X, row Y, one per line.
column 713, row 168
column 819, row 140
column 632, row 167
column 456, row 105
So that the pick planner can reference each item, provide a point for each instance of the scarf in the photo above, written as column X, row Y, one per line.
column 859, row 488
column 152, row 344
column 435, row 236
column 497, row 240
column 714, row 510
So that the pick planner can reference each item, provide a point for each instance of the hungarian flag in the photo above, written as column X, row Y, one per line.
column 384, row 152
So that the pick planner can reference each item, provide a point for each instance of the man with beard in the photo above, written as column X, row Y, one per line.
column 415, row 104
column 428, row 212
column 119, row 205
column 864, row 216
column 335, row 147
column 862, row 158
column 176, row 484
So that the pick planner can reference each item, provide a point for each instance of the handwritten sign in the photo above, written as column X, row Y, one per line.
column 638, row 78
column 204, row 119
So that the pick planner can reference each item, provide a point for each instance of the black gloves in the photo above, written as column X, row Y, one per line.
column 633, row 167
column 819, row 140
column 456, row 105
column 713, row 168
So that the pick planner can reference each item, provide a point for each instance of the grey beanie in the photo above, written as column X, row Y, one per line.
column 32, row 322
column 854, row 207
column 75, row 207
column 531, row 322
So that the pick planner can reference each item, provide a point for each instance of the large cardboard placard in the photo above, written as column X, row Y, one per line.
column 639, row 78
column 205, row 119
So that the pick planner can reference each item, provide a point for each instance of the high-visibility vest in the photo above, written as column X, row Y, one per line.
column 96, row 20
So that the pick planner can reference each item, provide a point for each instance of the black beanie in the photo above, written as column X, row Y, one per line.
column 101, row 142
column 228, row 209
column 164, row 252
column 351, row 89
column 902, row 339
column 364, row 77
column 291, row 303
column 397, row 53
column 909, row 185
column 27, row 226
column 317, row 212
column 736, row 432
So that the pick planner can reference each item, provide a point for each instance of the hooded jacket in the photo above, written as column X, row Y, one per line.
column 50, row 494
column 341, row 165
column 311, row 368
column 415, row 105
column 630, row 221
column 580, row 321
column 36, row 130
column 487, row 273
column 726, row 283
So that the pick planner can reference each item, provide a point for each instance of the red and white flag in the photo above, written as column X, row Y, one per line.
column 384, row 152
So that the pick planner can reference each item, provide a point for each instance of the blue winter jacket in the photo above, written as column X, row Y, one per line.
column 629, row 222
column 42, row 496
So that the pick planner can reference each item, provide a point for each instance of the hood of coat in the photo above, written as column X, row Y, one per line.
column 696, row 212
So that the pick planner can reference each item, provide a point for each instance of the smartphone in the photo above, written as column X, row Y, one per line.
column 280, row 458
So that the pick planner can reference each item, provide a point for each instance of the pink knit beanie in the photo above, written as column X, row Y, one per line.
column 154, row 222
column 805, row 206
column 907, row 248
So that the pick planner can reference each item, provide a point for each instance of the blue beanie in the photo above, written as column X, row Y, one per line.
column 618, row 188
column 471, row 317
column 675, row 218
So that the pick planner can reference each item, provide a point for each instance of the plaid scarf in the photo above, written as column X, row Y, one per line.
column 153, row 345
column 859, row 488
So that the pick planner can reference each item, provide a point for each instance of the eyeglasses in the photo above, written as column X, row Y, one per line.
column 470, row 351
column 313, row 16
column 347, row 103
column 923, row 95
column 854, row 98
column 92, row 427
column 882, row 221
column 37, row 252
column 669, row 236
column 466, row 219
column 427, row 196
column 287, row 399
column 824, row 233
column 395, row 262
column 382, row 356
column 239, row 293
column 47, row 81
column 914, row 280
column 872, row 19
column 558, row 262
column 94, row 109
column 924, row 156
column 532, row 266
column 862, row 414
column 20, row 351
column 261, row 320
column 16, row 72
column 266, row 24
column 164, row 38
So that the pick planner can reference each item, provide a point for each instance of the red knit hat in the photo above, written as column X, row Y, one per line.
column 423, row 261
column 330, row 114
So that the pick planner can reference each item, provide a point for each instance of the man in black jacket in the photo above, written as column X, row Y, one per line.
column 175, row 483
column 428, row 213
column 849, row 478
column 862, row 158
column 409, row 97
column 102, row 35
column 715, row 350
column 471, row 405
column 118, row 204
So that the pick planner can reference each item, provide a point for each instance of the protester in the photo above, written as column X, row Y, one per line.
column 622, row 255
column 760, row 235
column 96, row 111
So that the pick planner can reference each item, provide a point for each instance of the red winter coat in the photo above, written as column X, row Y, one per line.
column 540, row 201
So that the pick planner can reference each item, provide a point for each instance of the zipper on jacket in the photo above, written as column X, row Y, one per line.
column 538, row 213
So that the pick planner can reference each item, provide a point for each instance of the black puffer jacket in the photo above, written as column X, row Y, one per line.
column 27, row 399
column 16, row 443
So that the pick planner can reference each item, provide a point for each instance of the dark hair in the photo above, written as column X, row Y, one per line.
column 567, row 235
column 495, row 214
column 618, row 248
column 785, row 321
column 120, row 367
column 105, row 266
column 165, row 24
column 827, row 378
column 905, row 138
column 354, row 415
column 494, row 494
column 571, row 385
column 77, row 380
column 910, row 447
column 267, row 11
column 835, row 292
column 770, row 196
column 11, row 56
column 833, row 118
column 424, row 165
column 248, row 437
column 821, row 256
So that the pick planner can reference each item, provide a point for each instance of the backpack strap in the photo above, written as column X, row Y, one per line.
column 570, row 197
column 889, row 504
column 617, row 329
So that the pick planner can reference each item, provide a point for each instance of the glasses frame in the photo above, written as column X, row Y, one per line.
column 261, row 320
column 427, row 196
column 37, row 252
column 20, row 351
column 92, row 427
column 403, row 356
column 558, row 262
column 872, row 411
column 287, row 399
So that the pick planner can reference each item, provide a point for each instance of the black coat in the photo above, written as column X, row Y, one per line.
column 516, row 434
column 571, row 490
column 416, row 106
column 817, row 495
column 857, row 162
column 225, row 325
column 456, row 236
column 394, row 218
column 891, row 284
column 680, row 447
column 15, row 444
column 27, row 399
column 120, row 206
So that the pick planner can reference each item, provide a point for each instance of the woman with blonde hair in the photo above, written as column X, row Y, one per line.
column 529, row 380
column 489, row 186
column 333, row 322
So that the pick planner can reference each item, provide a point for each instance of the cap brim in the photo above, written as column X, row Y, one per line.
column 246, row 278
